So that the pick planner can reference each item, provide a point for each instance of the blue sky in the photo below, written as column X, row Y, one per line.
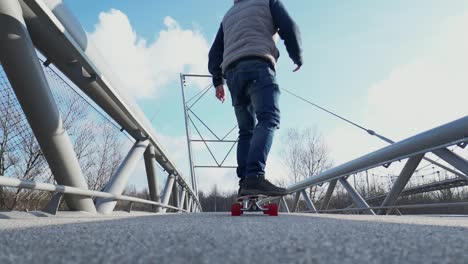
column 360, row 58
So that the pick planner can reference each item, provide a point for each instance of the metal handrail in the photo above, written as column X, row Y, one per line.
column 403, row 206
column 38, row 186
column 447, row 135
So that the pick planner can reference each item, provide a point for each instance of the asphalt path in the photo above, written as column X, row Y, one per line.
column 220, row 238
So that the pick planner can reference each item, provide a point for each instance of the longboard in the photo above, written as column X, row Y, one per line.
column 250, row 203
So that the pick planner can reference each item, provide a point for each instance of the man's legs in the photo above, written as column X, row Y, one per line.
column 245, row 118
column 264, row 95
column 268, row 116
column 246, row 122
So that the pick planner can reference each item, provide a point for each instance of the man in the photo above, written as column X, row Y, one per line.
column 245, row 53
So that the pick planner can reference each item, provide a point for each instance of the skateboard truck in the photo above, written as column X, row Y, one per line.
column 251, row 203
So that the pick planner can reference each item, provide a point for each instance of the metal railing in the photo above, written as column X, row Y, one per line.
column 51, row 28
column 414, row 148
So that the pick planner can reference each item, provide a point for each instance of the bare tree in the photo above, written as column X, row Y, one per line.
column 20, row 155
column 305, row 154
column 100, row 160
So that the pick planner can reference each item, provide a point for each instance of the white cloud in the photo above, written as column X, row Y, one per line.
column 146, row 67
column 416, row 96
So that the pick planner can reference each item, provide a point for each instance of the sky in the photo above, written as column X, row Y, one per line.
column 397, row 67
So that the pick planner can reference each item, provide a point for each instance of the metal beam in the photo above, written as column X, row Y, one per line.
column 150, row 166
column 328, row 195
column 453, row 159
column 187, row 131
column 400, row 183
column 167, row 191
column 358, row 200
column 284, row 204
column 297, row 196
column 175, row 194
column 182, row 199
column 39, row 186
column 53, row 205
column 19, row 59
column 309, row 203
column 119, row 180
column 186, row 200
column 189, row 204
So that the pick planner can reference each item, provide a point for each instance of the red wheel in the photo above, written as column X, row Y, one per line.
column 236, row 209
column 273, row 210
column 267, row 207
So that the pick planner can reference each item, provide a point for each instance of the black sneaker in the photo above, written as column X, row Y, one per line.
column 260, row 186
column 240, row 187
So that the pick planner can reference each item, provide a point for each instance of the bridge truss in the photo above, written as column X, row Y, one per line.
column 49, row 27
column 414, row 150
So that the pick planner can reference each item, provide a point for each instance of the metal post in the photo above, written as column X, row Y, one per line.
column 150, row 166
column 453, row 159
column 175, row 194
column 400, row 183
column 194, row 206
column 285, row 204
column 297, row 196
column 182, row 199
column 19, row 59
column 358, row 200
column 187, row 131
column 119, row 180
column 187, row 196
column 167, row 191
column 328, row 195
column 189, row 204
column 309, row 202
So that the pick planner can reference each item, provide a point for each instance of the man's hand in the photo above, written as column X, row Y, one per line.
column 297, row 68
column 220, row 93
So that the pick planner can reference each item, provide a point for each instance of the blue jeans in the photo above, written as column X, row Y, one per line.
column 255, row 94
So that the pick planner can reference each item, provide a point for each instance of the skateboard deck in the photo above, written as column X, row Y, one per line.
column 251, row 203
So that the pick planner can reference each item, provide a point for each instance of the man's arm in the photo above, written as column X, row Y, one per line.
column 216, row 58
column 287, row 30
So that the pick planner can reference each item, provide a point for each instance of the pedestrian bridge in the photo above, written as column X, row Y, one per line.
column 49, row 78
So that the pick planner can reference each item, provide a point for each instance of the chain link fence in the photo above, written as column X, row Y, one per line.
column 97, row 140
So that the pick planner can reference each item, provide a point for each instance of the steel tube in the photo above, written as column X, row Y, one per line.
column 187, row 131
column 285, row 204
column 175, row 194
column 453, row 159
column 150, row 167
column 308, row 201
column 328, row 195
column 168, row 190
column 297, row 197
column 189, row 204
column 186, row 200
column 358, row 200
column 182, row 199
column 400, row 183
column 448, row 134
column 119, row 180
column 19, row 60
column 38, row 186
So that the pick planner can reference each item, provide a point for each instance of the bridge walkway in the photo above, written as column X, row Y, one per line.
column 220, row 238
